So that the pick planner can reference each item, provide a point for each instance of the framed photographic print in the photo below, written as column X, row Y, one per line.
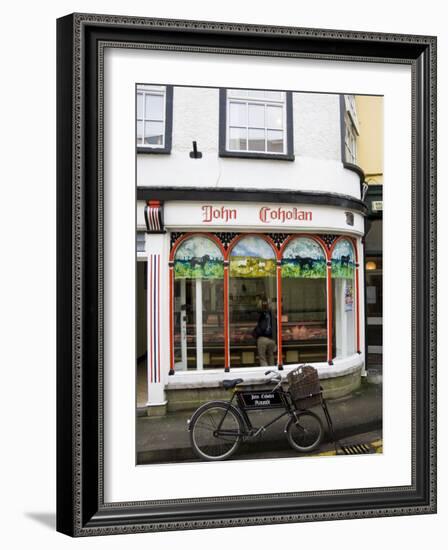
column 246, row 274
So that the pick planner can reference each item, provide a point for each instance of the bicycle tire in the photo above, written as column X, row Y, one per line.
column 304, row 431
column 206, row 444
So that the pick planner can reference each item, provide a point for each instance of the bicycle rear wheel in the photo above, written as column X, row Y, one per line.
column 305, row 431
column 209, row 442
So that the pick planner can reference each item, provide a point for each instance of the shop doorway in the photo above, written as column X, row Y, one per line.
column 141, row 334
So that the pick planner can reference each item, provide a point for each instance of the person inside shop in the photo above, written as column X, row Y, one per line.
column 264, row 334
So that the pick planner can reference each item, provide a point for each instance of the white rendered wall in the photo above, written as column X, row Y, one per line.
column 195, row 117
column 317, row 148
column 317, row 126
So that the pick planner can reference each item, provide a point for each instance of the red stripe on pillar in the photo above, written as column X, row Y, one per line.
column 150, row 316
column 171, row 320
column 279, row 317
column 226, row 319
column 158, row 320
column 357, row 309
column 330, row 316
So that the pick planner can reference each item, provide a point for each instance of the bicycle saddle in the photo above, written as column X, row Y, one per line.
column 228, row 384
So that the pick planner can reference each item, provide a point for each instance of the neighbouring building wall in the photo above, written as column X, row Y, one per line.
column 370, row 139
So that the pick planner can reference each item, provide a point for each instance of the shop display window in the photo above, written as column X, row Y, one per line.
column 344, row 303
column 198, row 305
column 221, row 293
column 253, row 267
column 304, row 302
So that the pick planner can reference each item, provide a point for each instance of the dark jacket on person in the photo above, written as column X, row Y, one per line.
column 265, row 325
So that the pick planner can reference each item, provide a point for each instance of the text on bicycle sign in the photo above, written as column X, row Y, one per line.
column 261, row 400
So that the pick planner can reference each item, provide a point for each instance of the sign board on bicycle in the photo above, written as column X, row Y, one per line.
column 260, row 399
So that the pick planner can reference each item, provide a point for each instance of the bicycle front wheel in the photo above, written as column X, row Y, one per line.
column 305, row 431
column 215, row 432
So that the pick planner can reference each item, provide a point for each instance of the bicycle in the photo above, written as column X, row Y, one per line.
column 218, row 428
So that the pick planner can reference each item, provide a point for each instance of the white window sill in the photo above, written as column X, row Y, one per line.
column 213, row 378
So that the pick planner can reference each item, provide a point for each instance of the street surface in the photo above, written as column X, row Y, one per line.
column 357, row 421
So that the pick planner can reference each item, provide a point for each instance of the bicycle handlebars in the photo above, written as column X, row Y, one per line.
column 276, row 378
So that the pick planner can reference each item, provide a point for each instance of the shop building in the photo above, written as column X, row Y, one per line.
column 246, row 200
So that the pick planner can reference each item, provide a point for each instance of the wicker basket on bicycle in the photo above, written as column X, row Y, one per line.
column 304, row 387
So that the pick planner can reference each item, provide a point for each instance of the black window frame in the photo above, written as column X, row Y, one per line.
column 224, row 152
column 166, row 149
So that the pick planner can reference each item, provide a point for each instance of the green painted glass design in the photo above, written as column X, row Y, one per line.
column 304, row 258
column 252, row 257
column 198, row 258
column 343, row 260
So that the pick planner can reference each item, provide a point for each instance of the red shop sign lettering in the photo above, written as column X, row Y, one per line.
column 268, row 215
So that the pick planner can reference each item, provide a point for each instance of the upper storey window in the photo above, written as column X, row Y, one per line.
column 256, row 123
column 351, row 129
column 154, row 118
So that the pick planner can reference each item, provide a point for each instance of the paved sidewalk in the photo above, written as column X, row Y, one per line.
column 166, row 439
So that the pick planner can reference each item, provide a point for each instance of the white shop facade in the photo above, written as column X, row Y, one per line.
column 209, row 260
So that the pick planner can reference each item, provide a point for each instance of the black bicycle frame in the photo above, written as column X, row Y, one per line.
column 280, row 399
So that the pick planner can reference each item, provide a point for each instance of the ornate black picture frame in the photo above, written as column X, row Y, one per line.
column 81, row 509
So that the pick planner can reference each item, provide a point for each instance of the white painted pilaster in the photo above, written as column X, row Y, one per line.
column 362, row 334
column 183, row 325
column 158, row 317
column 199, row 331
